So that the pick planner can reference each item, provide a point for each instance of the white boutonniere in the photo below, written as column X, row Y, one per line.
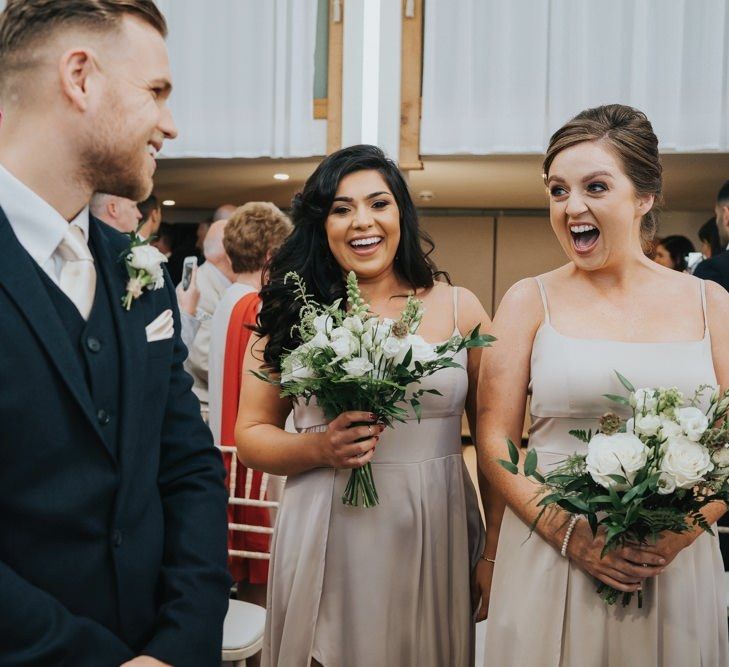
column 144, row 267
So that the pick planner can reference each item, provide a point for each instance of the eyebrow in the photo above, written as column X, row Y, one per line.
column 587, row 178
column 372, row 196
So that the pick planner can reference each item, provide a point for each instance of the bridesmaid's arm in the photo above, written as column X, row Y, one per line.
column 471, row 313
column 503, row 385
column 717, row 306
column 263, row 444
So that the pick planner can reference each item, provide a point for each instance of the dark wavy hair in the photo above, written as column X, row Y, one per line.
column 678, row 247
column 307, row 251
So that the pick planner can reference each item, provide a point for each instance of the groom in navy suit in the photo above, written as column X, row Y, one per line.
column 112, row 504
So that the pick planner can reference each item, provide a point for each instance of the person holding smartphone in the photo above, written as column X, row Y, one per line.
column 188, row 296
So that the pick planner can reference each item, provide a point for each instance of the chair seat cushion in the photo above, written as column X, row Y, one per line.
column 243, row 625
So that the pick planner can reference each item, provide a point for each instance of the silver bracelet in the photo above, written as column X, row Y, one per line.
column 575, row 518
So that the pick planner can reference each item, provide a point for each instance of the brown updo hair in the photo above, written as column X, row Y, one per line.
column 629, row 133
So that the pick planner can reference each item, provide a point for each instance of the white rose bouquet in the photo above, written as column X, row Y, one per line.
column 651, row 473
column 352, row 360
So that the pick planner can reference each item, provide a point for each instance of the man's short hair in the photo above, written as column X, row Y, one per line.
column 146, row 207
column 723, row 196
column 254, row 231
column 24, row 23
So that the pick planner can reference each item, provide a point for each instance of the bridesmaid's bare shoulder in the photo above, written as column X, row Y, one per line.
column 522, row 305
column 717, row 307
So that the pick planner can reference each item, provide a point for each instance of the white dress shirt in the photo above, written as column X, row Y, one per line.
column 38, row 226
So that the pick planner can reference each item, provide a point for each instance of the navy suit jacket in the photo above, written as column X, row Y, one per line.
column 716, row 268
column 103, row 555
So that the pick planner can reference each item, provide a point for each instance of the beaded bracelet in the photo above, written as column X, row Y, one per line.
column 575, row 518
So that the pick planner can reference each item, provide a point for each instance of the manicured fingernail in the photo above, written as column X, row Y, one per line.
column 662, row 561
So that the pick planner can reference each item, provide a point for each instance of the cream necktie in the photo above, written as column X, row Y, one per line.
column 78, row 275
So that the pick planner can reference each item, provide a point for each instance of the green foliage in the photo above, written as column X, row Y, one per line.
column 631, row 511
column 344, row 365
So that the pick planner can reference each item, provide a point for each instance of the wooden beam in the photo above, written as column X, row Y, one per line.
column 334, row 76
column 320, row 108
column 410, row 85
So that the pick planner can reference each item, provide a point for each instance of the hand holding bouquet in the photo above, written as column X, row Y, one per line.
column 651, row 473
column 351, row 360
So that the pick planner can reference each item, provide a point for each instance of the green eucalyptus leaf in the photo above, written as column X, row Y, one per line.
column 625, row 382
column 530, row 463
column 508, row 465
column 513, row 451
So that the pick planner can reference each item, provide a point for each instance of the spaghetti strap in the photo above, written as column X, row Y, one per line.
column 703, row 306
column 455, row 309
column 544, row 298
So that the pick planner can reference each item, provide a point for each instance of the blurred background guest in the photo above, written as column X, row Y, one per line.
column 117, row 212
column 184, row 244
column 252, row 234
column 201, row 232
column 709, row 237
column 213, row 278
column 672, row 252
column 151, row 212
column 224, row 212
column 164, row 241
column 717, row 268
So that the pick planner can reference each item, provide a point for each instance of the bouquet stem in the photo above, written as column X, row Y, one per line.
column 361, row 484
column 610, row 595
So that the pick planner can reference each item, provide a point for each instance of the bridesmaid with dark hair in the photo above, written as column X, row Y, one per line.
column 397, row 584
column 609, row 308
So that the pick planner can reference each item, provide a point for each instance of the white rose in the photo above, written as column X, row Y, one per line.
column 343, row 342
column 693, row 422
column 354, row 324
column 666, row 484
column 357, row 367
column 296, row 370
column 669, row 428
column 147, row 258
column 319, row 341
column 686, row 461
column 644, row 400
column 323, row 323
column 391, row 347
column 647, row 425
column 422, row 351
column 618, row 454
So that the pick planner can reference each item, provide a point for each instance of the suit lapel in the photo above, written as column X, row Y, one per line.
column 19, row 277
column 130, row 328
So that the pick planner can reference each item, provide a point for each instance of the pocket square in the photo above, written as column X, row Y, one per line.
column 161, row 328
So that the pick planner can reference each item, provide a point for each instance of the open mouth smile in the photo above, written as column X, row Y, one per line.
column 584, row 237
column 366, row 245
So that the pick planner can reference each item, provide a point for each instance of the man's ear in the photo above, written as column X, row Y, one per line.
column 112, row 208
column 78, row 73
column 725, row 215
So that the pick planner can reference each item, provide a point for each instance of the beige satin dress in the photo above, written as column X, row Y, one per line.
column 544, row 611
column 390, row 585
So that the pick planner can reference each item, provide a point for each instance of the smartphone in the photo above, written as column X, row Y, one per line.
column 187, row 266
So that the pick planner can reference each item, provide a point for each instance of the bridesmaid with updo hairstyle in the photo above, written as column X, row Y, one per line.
column 609, row 308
